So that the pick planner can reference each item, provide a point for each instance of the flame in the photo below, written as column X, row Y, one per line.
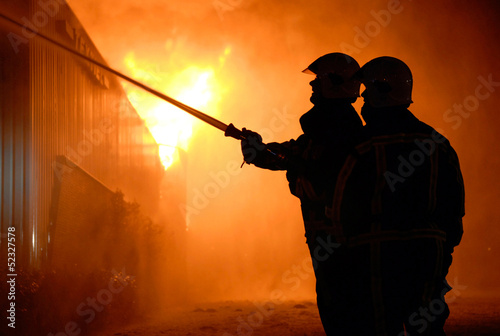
column 171, row 127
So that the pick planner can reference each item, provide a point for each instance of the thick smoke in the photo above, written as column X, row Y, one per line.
column 245, row 235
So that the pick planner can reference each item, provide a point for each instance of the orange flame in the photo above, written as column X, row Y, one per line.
column 171, row 127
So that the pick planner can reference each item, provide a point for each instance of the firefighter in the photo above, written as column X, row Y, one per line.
column 311, row 163
column 398, row 204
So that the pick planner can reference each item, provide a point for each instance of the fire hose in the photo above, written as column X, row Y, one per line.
column 229, row 130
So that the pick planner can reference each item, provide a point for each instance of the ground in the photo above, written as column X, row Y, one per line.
column 469, row 316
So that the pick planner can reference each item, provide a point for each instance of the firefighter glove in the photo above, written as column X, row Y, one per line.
column 251, row 145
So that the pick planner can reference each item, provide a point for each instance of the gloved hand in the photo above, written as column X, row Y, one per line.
column 251, row 145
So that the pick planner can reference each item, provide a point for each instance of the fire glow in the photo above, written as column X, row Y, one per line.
column 171, row 127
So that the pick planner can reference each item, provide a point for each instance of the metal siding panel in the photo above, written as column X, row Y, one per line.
column 63, row 103
column 15, row 137
column 3, row 115
column 8, row 171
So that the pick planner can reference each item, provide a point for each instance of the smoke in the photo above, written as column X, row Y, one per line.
column 245, row 235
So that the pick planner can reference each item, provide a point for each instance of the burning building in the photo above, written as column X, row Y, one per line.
column 62, row 115
column 80, row 171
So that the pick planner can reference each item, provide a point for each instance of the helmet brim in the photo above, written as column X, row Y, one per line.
column 308, row 71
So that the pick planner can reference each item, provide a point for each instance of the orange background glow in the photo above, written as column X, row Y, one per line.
column 242, row 63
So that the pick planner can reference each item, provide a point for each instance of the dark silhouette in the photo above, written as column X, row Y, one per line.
column 397, row 205
column 312, row 162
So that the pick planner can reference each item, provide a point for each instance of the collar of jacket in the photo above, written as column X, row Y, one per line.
column 329, row 118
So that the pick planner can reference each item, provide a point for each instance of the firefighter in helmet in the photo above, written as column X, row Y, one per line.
column 311, row 162
column 398, row 205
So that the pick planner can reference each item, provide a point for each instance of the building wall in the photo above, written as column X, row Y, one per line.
column 54, row 104
column 82, row 222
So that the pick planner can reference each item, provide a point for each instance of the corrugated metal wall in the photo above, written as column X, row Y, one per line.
column 64, row 106
column 14, row 102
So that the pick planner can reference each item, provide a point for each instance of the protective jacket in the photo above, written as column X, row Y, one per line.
column 398, row 204
column 402, row 180
column 313, row 160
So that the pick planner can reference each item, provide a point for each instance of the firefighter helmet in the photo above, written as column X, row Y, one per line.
column 388, row 82
column 335, row 71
